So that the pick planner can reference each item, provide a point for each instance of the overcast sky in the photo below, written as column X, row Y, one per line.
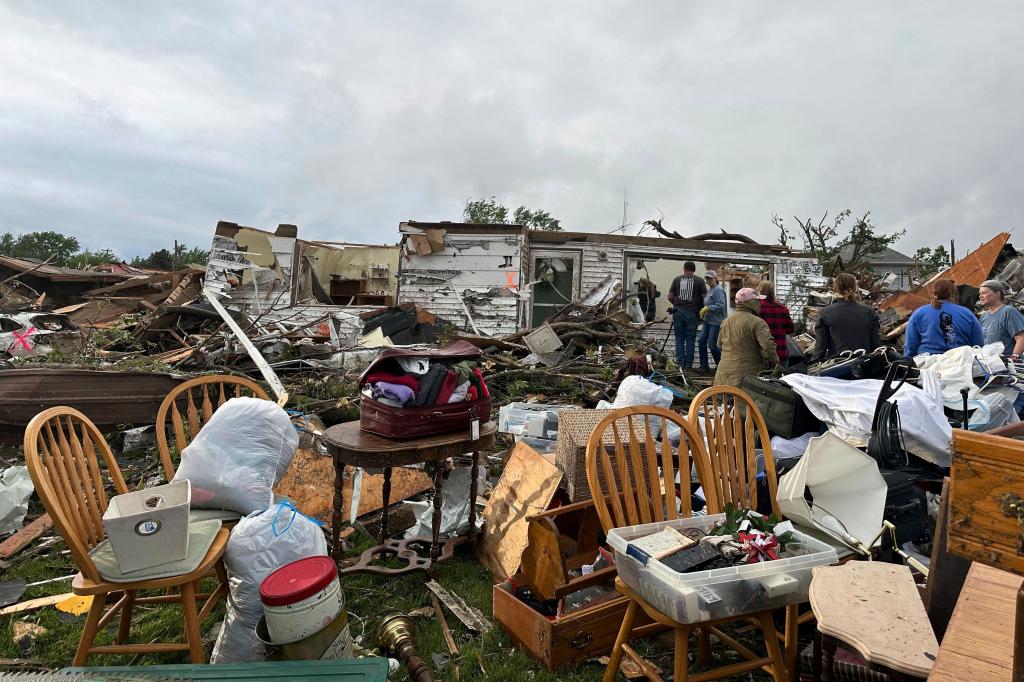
column 131, row 124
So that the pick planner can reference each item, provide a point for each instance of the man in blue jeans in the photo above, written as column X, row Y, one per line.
column 713, row 313
column 687, row 298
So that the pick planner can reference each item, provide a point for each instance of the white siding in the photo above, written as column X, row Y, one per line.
column 481, row 272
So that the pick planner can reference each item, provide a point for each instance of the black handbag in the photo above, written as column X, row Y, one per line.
column 784, row 411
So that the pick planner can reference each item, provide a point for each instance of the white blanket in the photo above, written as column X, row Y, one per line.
column 848, row 407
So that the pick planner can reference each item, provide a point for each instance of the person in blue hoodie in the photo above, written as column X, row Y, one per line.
column 712, row 314
column 943, row 325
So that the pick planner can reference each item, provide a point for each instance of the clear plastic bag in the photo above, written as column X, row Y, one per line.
column 258, row 546
column 239, row 455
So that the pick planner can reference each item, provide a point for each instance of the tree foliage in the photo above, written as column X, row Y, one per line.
column 825, row 241
column 164, row 259
column 931, row 261
column 50, row 246
column 87, row 259
column 488, row 210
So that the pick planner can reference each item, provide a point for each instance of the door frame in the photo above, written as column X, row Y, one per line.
column 576, row 255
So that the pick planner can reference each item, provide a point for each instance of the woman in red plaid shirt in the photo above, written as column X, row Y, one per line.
column 778, row 319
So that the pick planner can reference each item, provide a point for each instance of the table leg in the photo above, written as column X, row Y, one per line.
column 339, row 503
column 473, row 493
column 828, row 646
column 386, row 491
column 816, row 658
column 435, row 525
column 1018, row 639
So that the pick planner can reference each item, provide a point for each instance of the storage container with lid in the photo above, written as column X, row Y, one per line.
column 722, row 592
column 301, row 598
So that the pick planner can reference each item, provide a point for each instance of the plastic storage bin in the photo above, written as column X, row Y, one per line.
column 536, row 420
column 149, row 527
column 723, row 592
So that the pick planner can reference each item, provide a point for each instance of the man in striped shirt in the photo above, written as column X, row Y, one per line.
column 687, row 298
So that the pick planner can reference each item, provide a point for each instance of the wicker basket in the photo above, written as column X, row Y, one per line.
column 574, row 429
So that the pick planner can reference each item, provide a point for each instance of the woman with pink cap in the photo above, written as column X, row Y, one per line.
column 748, row 347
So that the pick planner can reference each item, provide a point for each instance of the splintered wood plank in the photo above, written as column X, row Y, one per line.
column 526, row 487
column 978, row 644
column 23, row 537
column 310, row 482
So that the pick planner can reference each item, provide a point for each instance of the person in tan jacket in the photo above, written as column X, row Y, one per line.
column 748, row 347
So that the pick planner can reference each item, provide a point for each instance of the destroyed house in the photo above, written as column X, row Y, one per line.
column 61, row 285
column 500, row 279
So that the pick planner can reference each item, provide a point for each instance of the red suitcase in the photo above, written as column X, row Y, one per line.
column 415, row 422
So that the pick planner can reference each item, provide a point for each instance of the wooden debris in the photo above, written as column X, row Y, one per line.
column 33, row 604
column 446, row 631
column 26, row 535
column 25, row 634
column 470, row 617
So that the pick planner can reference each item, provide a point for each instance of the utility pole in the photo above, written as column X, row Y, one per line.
column 174, row 257
column 952, row 252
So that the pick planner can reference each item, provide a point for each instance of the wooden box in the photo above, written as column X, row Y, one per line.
column 574, row 429
column 986, row 515
column 570, row 638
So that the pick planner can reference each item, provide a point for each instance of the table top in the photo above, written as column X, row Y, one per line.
column 876, row 609
column 361, row 448
column 978, row 644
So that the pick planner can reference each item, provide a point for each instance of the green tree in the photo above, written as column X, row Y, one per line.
column 489, row 211
column 163, row 259
column 45, row 246
column 931, row 261
column 88, row 258
column 823, row 241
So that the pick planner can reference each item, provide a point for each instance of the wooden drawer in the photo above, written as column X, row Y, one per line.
column 986, row 516
column 572, row 638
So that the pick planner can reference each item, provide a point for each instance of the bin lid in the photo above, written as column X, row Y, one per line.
column 298, row 580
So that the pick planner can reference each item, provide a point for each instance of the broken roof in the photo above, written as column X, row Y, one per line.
column 37, row 268
column 886, row 257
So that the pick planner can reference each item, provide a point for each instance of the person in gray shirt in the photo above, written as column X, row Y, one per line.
column 1001, row 322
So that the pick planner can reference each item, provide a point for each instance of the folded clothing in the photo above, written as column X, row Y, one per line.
column 400, row 393
column 430, row 386
column 414, row 365
column 368, row 392
column 403, row 379
column 459, row 394
column 448, row 384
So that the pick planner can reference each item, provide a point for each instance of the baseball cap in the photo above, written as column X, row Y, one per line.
column 710, row 273
column 748, row 294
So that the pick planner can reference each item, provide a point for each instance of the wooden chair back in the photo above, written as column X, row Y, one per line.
column 62, row 452
column 199, row 398
column 624, row 454
column 733, row 426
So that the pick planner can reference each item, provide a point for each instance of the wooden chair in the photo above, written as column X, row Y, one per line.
column 733, row 428
column 628, row 489
column 194, row 396
column 62, row 449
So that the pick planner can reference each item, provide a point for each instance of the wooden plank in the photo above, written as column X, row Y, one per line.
column 33, row 604
column 310, row 482
column 946, row 572
column 470, row 617
column 23, row 537
column 526, row 487
column 978, row 644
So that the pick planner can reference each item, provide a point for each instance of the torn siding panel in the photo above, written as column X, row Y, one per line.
column 474, row 275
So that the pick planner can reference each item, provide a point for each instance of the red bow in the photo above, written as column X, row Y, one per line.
column 759, row 547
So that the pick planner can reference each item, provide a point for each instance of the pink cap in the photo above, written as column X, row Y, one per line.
column 748, row 294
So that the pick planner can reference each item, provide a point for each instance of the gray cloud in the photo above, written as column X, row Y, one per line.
column 131, row 125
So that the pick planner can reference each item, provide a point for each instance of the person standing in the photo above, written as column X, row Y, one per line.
column 845, row 324
column 712, row 315
column 778, row 318
column 746, row 342
column 943, row 325
column 687, row 297
column 1000, row 322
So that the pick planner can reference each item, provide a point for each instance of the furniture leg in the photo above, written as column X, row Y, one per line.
column 816, row 658
column 386, row 492
column 339, row 501
column 704, row 646
column 126, row 617
column 473, row 492
column 435, row 523
column 192, row 635
column 625, row 630
column 771, row 640
column 792, row 646
column 92, row 622
column 828, row 648
column 682, row 658
column 1018, row 639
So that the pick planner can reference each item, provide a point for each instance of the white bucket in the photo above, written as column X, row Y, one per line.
column 290, row 621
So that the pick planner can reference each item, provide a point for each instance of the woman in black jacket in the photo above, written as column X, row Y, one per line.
column 846, row 324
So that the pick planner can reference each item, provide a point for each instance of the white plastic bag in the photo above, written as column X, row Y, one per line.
column 635, row 390
column 239, row 455
column 259, row 545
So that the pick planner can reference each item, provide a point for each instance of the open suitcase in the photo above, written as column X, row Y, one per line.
column 415, row 422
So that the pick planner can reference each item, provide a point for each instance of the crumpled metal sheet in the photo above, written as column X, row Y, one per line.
column 15, row 490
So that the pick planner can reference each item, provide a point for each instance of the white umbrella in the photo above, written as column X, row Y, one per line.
column 847, row 490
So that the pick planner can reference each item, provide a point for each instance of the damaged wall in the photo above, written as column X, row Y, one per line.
column 477, row 274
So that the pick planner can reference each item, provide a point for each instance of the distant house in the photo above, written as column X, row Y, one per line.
column 890, row 260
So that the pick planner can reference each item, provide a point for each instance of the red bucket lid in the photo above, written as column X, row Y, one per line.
column 298, row 580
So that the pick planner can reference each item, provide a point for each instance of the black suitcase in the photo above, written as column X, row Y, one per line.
column 784, row 411
column 906, row 507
